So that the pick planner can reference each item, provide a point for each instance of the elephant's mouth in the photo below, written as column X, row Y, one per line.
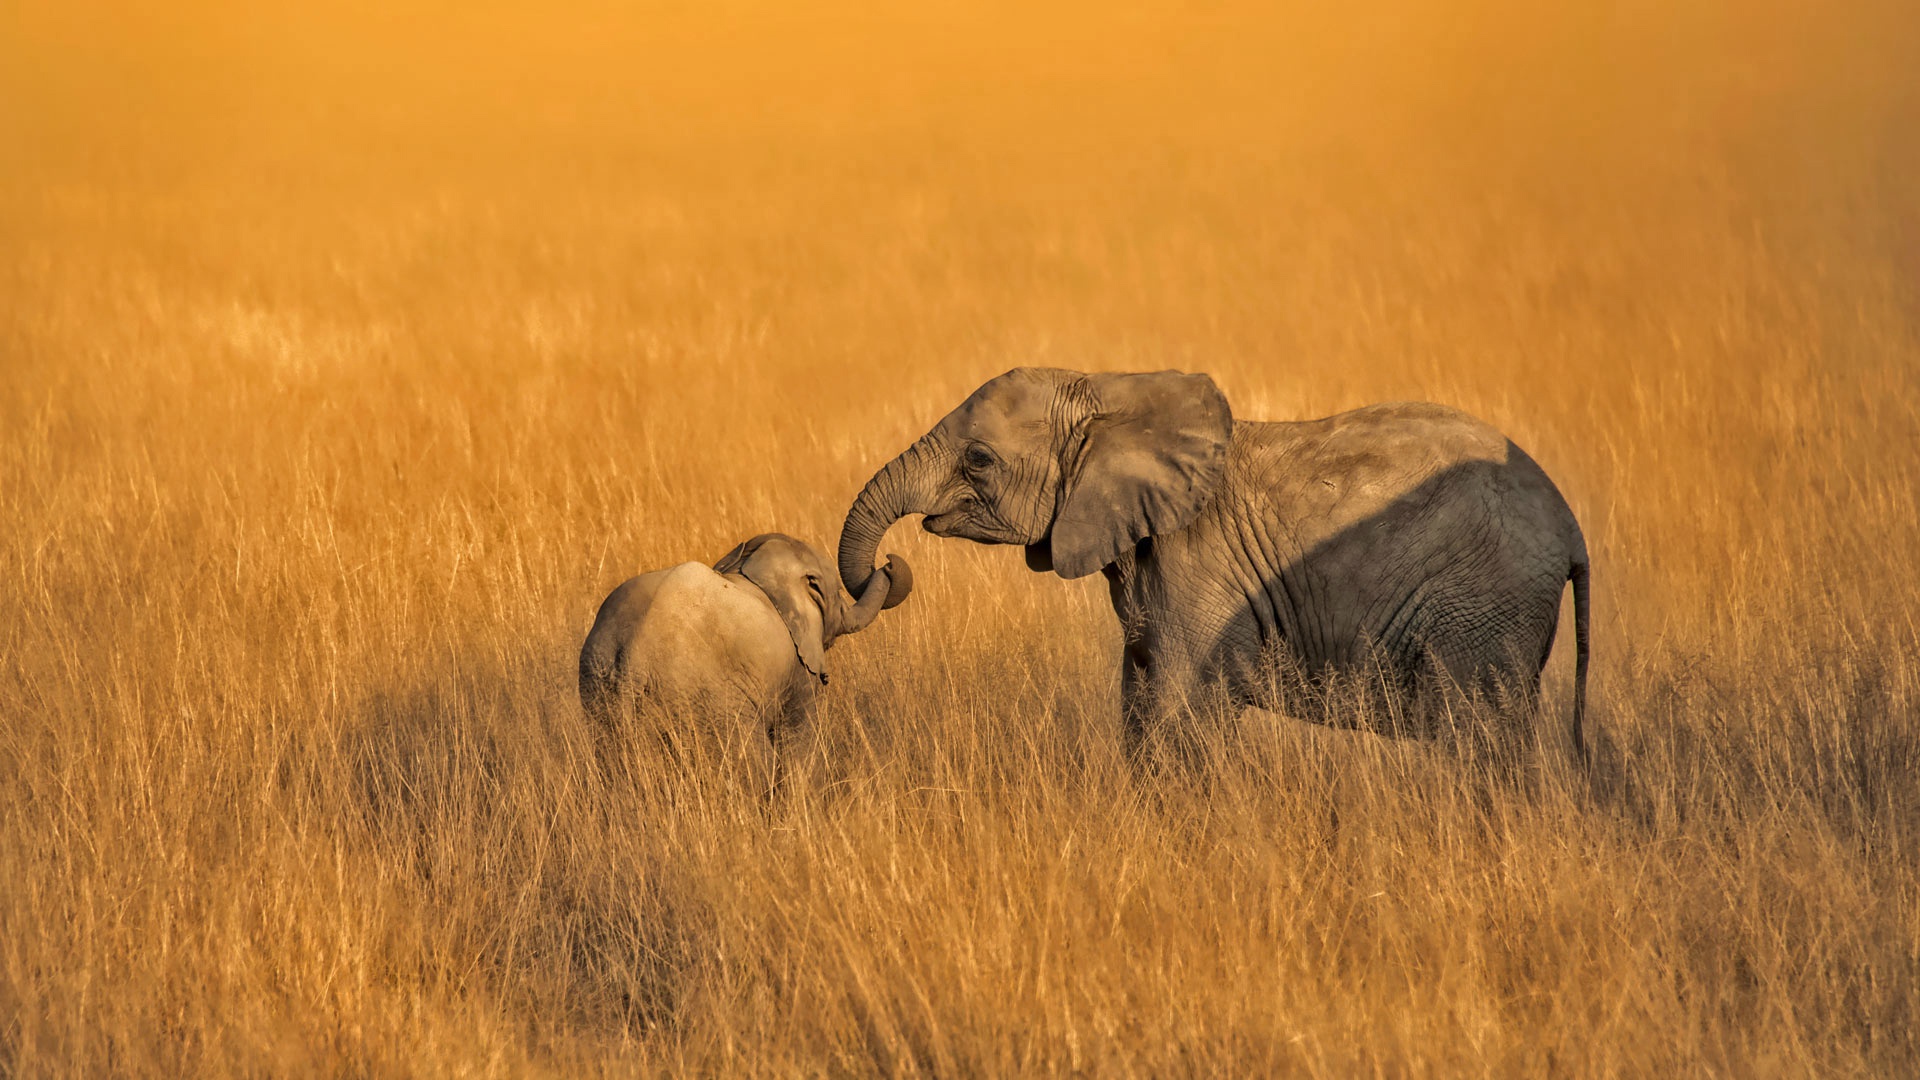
column 939, row 524
column 961, row 525
column 1040, row 556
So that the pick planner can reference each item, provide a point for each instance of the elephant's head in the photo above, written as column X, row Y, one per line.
column 1078, row 468
column 800, row 583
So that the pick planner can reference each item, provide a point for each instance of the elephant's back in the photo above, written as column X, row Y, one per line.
column 706, row 632
column 688, row 633
column 1368, row 461
column 1392, row 440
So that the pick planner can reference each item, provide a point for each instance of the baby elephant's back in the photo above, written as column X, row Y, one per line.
column 688, row 636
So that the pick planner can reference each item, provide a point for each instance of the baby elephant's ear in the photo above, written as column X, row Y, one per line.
column 732, row 561
column 784, row 579
column 1155, row 445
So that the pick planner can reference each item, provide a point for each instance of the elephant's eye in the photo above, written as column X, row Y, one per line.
column 977, row 458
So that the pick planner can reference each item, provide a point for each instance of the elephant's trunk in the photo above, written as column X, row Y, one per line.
column 903, row 486
column 889, row 585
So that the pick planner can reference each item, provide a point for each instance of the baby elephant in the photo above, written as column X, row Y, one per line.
column 730, row 651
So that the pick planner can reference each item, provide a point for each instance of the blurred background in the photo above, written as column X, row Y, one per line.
column 1667, row 247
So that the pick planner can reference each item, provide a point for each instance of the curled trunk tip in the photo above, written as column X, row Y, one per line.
column 899, row 580
column 885, row 588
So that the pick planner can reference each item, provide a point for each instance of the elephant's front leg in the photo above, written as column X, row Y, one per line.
column 1139, row 698
column 789, row 731
column 1154, row 689
column 1138, row 702
column 1143, row 675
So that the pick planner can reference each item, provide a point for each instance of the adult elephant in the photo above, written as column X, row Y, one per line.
column 1406, row 539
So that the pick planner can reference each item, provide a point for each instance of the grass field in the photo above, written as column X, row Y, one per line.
column 348, row 360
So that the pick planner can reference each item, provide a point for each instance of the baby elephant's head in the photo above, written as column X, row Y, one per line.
column 805, row 590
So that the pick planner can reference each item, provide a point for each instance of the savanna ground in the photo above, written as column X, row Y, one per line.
column 350, row 359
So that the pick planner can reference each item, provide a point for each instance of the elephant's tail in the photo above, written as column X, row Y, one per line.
column 1581, row 609
column 600, row 676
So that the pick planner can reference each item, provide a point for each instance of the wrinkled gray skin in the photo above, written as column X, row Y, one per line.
column 731, row 650
column 1409, row 540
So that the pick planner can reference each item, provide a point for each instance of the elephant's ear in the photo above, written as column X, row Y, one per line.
column 732, row 561
column 783, row 578
column 1152, row 452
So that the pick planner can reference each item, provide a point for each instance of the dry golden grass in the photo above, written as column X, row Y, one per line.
column 350, row 359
